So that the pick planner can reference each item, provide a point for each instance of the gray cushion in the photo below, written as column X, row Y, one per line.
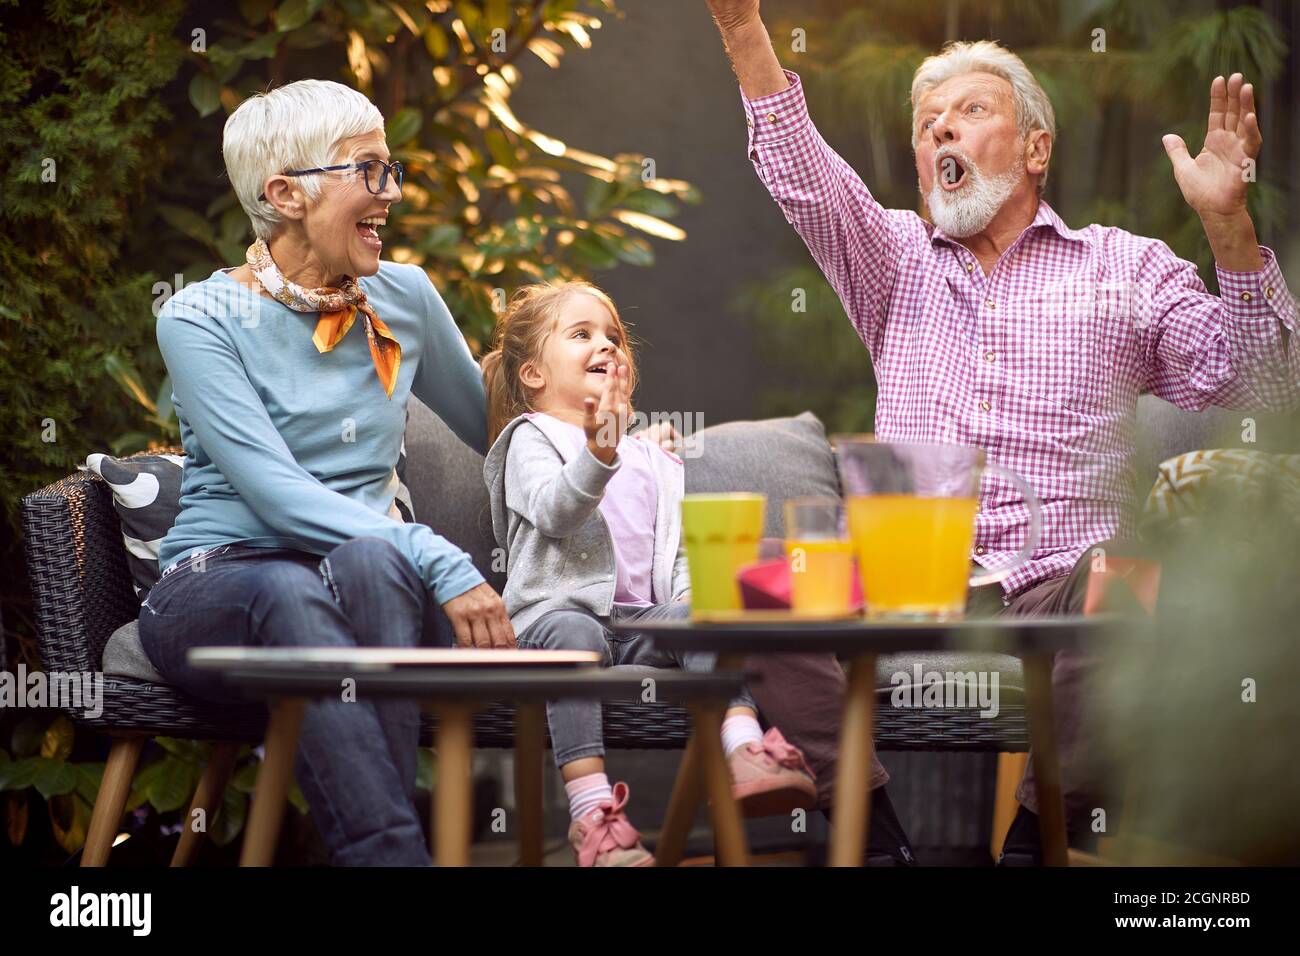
column 445, row 478
column 1165, row 431
column 779, row 457
column 1010, row 671
column 124, row 656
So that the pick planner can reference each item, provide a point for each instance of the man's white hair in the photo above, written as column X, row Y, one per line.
column 298, row 126
column 1033, row 108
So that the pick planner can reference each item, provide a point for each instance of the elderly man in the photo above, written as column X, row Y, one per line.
column 996, row 325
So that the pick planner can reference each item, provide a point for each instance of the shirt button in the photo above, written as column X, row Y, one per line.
column 1246, row 297
column 970, row 267
column 771, row 117
column 749, row 121
column 1268, row 293
column 985, row 405
column 990, row 303
column 990, row 357
column 979, row 549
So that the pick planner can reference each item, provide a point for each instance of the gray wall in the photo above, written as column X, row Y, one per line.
column 660, row 85
column 657, row 82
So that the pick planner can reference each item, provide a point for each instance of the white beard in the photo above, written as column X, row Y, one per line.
column 964, row 212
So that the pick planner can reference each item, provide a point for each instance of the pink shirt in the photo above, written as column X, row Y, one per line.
column 1040, row 362
column 629, row 507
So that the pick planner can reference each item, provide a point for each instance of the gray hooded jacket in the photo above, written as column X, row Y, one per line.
column 545, row 514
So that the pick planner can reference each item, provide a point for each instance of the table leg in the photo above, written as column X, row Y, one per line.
column 728, row 827
column 1047, row 769
column 453, row 796
column 851, row 815
column 688, row 790
column 530, row 750
column 273, row 781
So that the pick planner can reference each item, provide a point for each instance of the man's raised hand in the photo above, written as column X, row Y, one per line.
column 1214, row 182
column 748, row 47
column 729, row 14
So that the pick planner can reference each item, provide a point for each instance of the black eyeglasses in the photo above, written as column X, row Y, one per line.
column 377, row 172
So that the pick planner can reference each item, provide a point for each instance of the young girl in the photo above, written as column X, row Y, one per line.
column 591, row 523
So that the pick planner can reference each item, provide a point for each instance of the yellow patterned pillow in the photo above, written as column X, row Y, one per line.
column 1184, row 482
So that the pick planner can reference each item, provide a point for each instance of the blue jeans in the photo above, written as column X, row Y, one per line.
column 356, row 760
column 576, row 724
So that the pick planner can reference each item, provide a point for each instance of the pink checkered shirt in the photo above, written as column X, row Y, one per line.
column 1039, row 363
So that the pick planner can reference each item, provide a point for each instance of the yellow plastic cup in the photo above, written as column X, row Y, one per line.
column 722, row 534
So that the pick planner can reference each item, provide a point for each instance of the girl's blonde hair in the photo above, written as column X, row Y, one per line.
column 530, row 317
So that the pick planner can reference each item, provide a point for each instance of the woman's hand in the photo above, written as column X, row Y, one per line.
column 605, row 422
column 663, row 434
column 478, row 616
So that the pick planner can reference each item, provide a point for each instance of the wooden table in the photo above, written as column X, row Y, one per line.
column 453, row 683
column 858, row 640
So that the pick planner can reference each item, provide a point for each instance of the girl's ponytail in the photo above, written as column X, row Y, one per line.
column 498, row 395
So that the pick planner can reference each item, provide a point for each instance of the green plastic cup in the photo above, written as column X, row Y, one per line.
column 722, row 534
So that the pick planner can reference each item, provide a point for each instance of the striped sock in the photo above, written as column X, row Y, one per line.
column 587, row 793
column 738, row 731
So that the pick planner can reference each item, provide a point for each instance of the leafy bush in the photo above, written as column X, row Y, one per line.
column 114, row 195
column 79, row 111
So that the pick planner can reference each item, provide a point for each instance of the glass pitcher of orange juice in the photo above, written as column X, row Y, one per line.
column 911, row 517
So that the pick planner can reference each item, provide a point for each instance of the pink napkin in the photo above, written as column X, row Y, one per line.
column 765, row 585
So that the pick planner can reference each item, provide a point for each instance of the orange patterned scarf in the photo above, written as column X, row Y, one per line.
column 338, row 309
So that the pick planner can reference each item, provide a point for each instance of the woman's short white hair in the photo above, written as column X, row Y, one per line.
column 1033, row 108
column 297, row 126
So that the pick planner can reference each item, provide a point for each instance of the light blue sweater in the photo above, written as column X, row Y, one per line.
column 292, row 448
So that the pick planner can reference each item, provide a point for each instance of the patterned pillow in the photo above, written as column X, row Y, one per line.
column 146, row 496
column 402, row 499
column 1184, row 481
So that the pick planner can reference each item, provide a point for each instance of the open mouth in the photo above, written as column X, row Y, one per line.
column 952, row 173
column 368, row 230
column 600, row 369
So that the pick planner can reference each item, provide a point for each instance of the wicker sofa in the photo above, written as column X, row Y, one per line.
column 83, row 597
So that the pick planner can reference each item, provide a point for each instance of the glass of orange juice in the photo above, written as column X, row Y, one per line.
column 820, row 556
column 912, row 518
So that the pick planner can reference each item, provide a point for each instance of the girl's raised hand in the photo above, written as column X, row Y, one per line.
column 606, row 421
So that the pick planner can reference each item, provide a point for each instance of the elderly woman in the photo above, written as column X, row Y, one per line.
column 290, row 376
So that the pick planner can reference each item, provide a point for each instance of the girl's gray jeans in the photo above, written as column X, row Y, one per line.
column 576, row 724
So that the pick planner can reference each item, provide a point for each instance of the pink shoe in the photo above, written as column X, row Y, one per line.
column 604, row 837
column 771, row 778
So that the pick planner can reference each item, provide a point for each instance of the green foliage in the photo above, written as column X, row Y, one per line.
column 805, row 329
column 1208, row 685
column 489, row 203
column 40, row 758
column 127, row 99
column 1107, row 164
column 79, row 110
